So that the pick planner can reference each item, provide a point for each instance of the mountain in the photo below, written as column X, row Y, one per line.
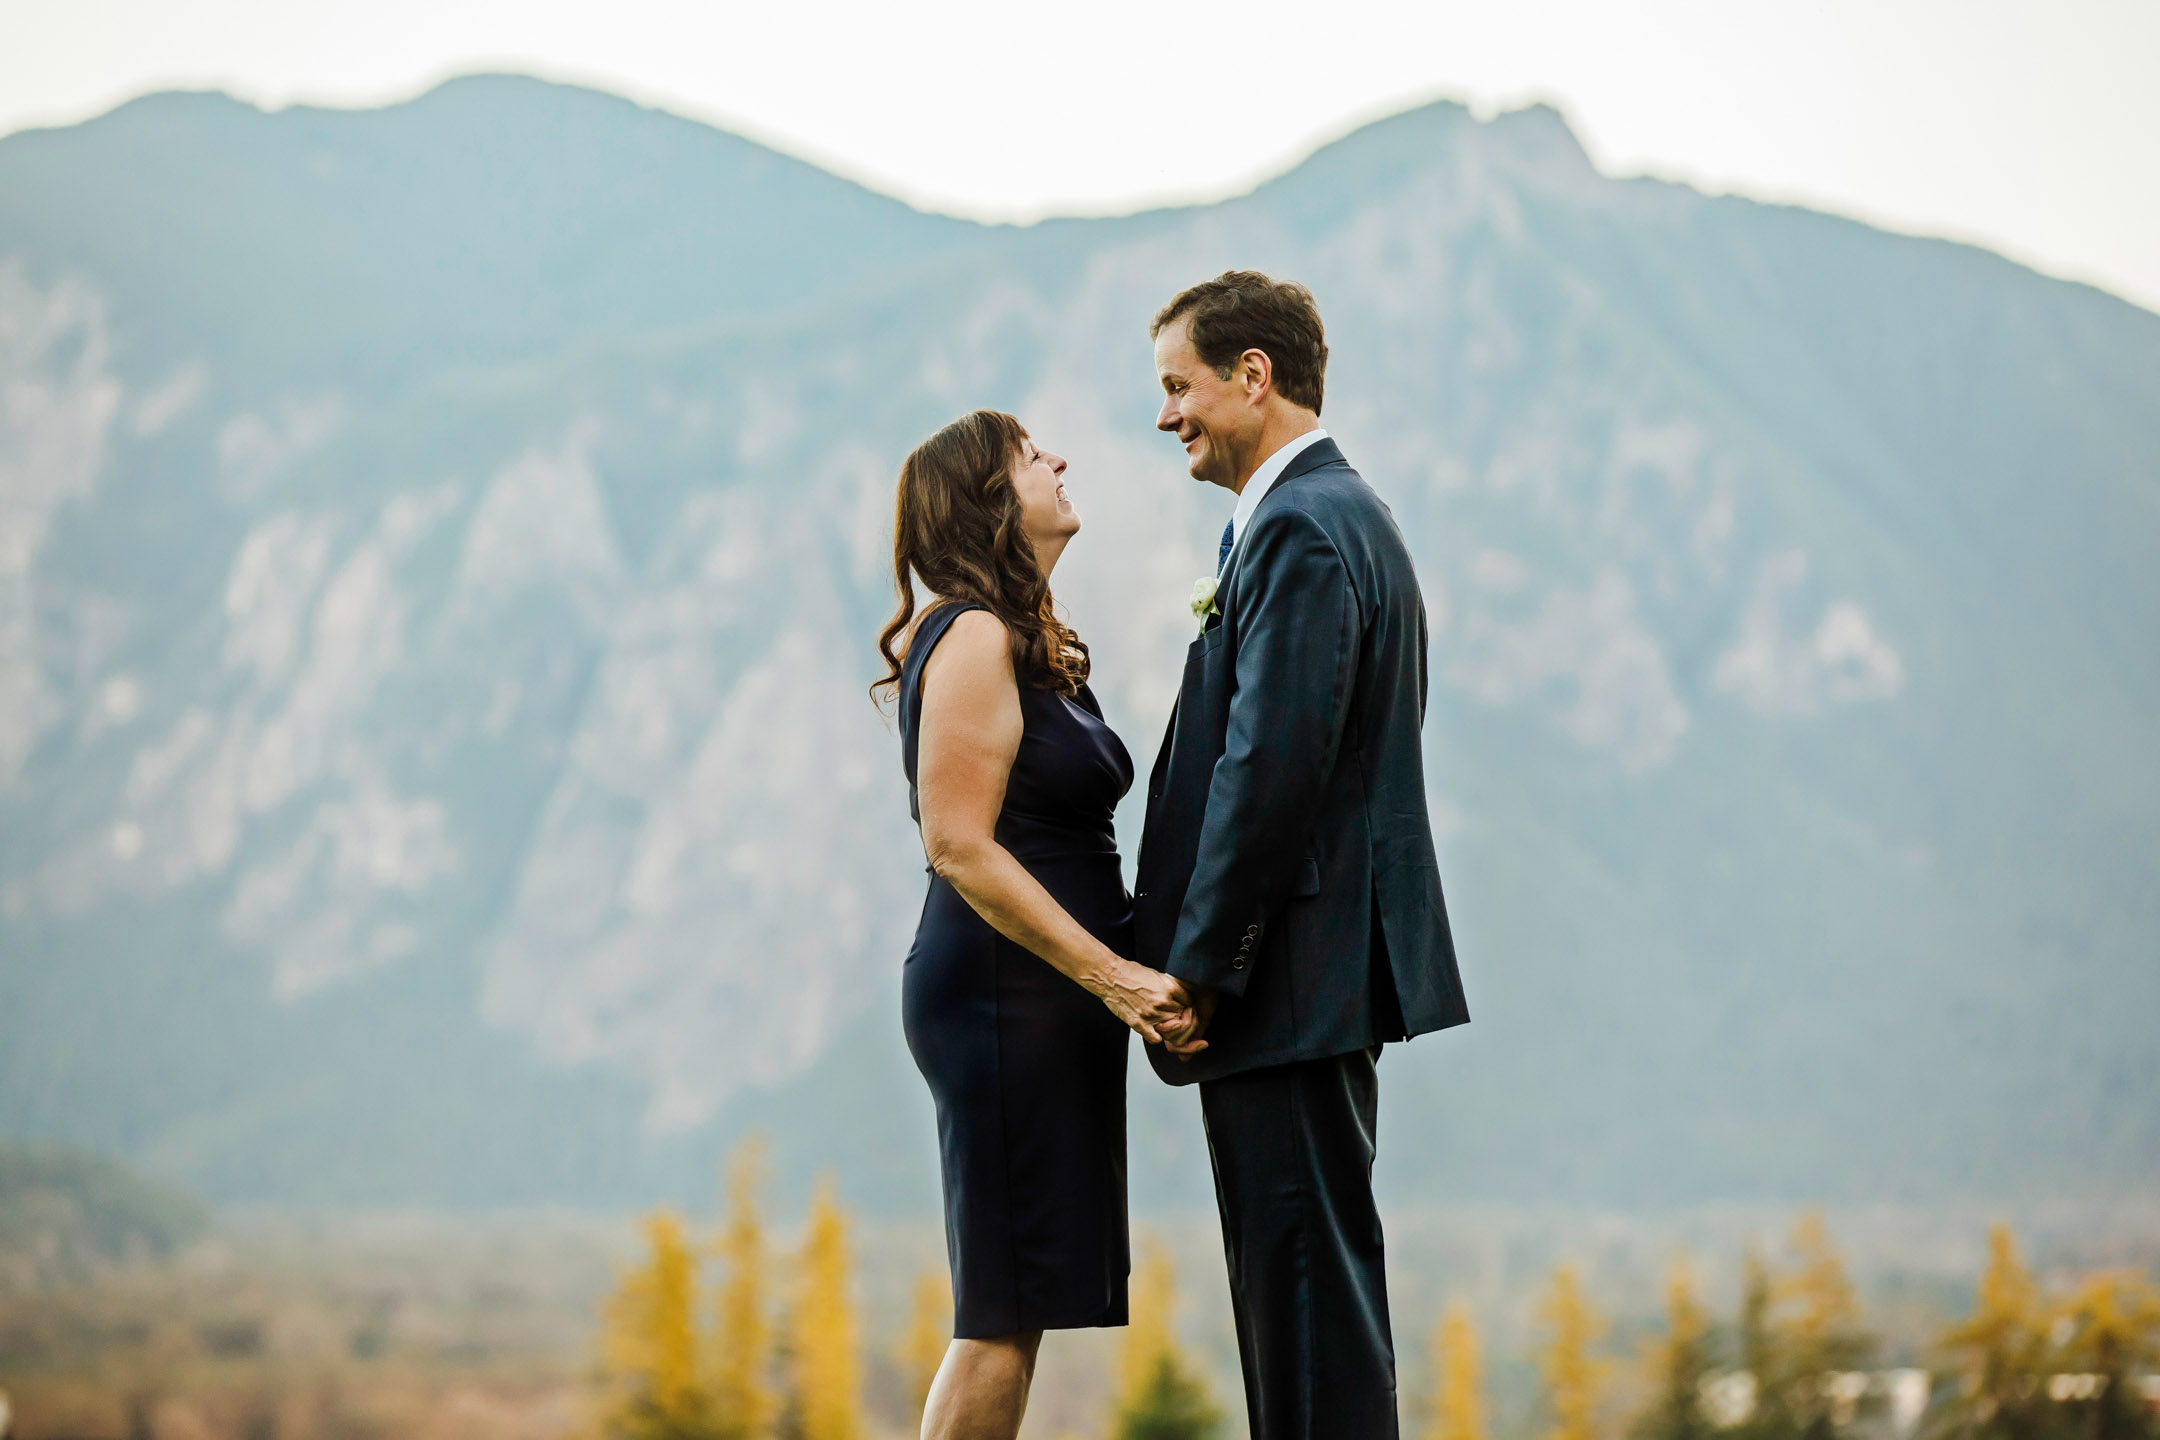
column 442, row 547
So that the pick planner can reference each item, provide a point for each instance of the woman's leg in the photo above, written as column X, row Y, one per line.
column 981, row 1389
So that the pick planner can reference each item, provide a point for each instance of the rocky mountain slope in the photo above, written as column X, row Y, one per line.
column 440, row 546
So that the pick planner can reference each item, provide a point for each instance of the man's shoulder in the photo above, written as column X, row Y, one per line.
column 1333, row 496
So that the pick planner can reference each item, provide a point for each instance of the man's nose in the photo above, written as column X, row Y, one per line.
column 1167, row 417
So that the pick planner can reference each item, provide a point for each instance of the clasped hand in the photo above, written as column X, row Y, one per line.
column 1159, row 1007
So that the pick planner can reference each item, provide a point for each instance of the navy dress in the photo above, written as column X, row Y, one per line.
column 1027, row 1068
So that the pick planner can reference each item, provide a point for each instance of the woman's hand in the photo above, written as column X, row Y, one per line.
column 1153, row 1003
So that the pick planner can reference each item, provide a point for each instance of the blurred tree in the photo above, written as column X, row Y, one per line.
column 1820, row 1333
column 1678, row 1364
column 743, row 1403
column 828, row 1388
column 2114, row 1338
column 1159, row 1396
column 1823, row 1329
column 1458, row 1411
column 922, row 1349
column 651, row 1345
column 1572, row 1374
column 1999, row 1355
column 1759, row 1357
column 1802, row 1340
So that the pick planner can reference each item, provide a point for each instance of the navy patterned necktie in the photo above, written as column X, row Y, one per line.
column 1222, row 551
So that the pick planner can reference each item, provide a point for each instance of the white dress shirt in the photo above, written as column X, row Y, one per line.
column 1263, row 480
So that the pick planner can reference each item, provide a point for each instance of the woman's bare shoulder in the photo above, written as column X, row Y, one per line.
column 975, row 644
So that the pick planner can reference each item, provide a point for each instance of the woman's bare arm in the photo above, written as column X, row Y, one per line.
column 967, row 740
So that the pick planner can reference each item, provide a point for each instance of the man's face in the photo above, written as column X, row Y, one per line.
column 1209, row 415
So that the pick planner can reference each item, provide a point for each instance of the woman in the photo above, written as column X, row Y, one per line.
column 1015, row 997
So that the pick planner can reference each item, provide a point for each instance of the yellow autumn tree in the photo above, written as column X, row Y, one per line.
column 744, row 1406
column 1572, row 1374
column 1758, row 1342
column 1821, row 1313
column 1458, row 1411
column 2115, row 1336
column 827, row 1383
column 1999, row 1352
column 922, row 1348
column 1818, row 1331
column 651, row 1344
column 1159, row 1396
column 1678, row 1364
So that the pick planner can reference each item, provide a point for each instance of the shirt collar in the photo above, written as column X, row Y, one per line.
column 1264, row 478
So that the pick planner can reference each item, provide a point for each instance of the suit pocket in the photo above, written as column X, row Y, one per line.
column 1307, row 883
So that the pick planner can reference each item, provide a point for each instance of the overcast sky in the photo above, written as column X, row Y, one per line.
column 2033, row 128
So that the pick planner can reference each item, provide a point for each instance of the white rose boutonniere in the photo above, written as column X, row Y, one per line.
column 1203, row 598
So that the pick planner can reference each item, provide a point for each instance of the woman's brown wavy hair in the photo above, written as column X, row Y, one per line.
column 957, row 529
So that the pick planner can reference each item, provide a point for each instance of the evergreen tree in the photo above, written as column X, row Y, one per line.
column 1171, row 1404
column 1572, row 1374
column 1678, row 1364
column 743, row 1403
column 651, row 1345
column 1159, row 1397
column 828, row 1387
column 929, row 1330
column 1999, row 1354
column 2114, row 1338
column 1458, row 1411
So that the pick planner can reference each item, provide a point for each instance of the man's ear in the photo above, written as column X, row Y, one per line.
column 1258, row 373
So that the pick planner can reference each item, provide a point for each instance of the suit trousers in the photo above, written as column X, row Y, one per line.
column 1293, row 1147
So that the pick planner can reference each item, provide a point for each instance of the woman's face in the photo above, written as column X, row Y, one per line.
column 1039, row 480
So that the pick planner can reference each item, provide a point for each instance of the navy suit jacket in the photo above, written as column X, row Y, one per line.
column 1287, row 861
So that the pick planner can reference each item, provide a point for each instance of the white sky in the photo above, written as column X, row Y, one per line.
column 2031, row 126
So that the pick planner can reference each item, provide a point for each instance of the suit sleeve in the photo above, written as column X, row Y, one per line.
column 1297, row 637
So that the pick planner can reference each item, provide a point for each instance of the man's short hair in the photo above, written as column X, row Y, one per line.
column 1241, row 310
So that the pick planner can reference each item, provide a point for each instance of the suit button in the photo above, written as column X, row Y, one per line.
column 1238, row 963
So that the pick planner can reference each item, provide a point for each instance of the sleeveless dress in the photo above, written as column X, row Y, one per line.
column 1027, row 1068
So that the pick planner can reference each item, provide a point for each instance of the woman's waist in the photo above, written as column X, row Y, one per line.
column 1084, row 887
column 1088, row 884
column 1030, row 837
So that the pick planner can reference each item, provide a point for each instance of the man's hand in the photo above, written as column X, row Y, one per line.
column 1189, row 1040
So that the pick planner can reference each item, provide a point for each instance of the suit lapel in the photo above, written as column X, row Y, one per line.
column 1313, row 457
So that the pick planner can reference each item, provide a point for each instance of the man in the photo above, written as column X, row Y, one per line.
column 1287, row 877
